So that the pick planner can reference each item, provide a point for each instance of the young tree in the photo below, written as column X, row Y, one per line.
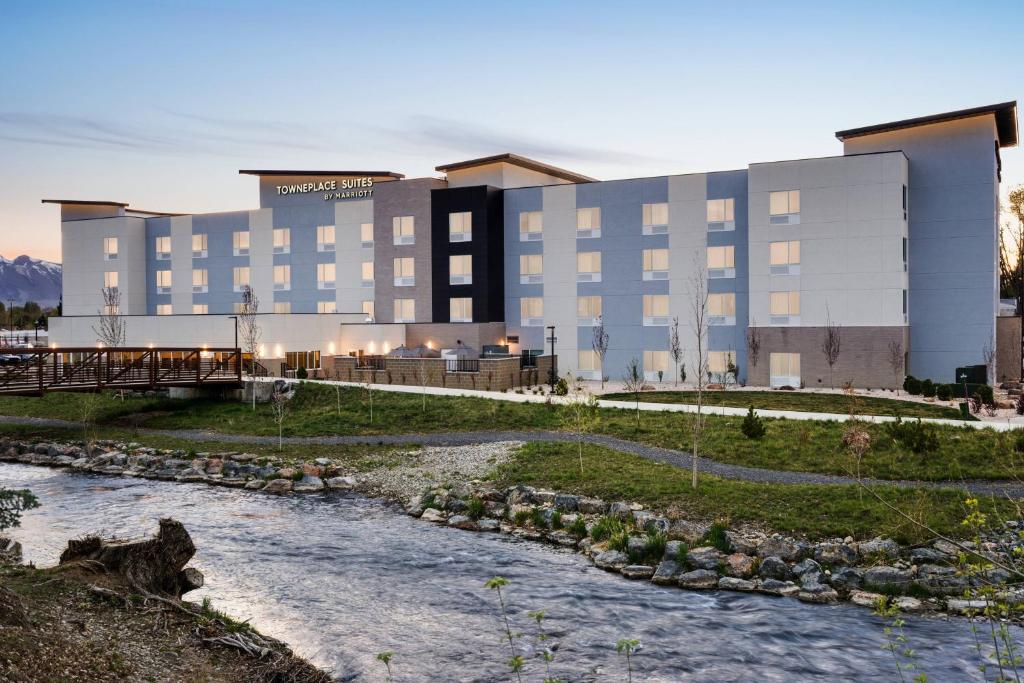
column 279, row 409
column 831, row 345
column 250, row 331
column 675, row 348
column 1011, row 256
column 699, row 312
column 600, row 345
column 988, row 354
column 368, row 388
column 633, row 383
column 753, row 345
column 423, row 373
column 581, row 414
column 894, row 358
column 110, row 328
column 628, row 647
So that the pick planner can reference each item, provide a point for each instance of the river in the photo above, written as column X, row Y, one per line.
column 341, row 577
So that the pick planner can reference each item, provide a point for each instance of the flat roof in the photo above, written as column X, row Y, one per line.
column 1005, row 113
column 520, row 161
column 82, row 201
column 386, row 174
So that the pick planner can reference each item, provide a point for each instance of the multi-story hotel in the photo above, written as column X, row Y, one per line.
column 893, row 241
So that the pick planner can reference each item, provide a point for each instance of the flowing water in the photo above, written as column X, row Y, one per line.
column 341, row 577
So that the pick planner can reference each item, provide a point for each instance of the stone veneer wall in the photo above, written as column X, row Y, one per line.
column 496, row 374
column 1008, row 349
column 863, row 357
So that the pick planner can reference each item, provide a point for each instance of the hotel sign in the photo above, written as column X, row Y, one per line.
column 346, row 188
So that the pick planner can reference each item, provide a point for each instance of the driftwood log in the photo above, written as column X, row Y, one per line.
column 154, row 565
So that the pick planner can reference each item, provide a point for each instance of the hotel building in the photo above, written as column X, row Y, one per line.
column 895, row 241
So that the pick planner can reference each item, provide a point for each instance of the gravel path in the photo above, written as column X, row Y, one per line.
column 682, row 459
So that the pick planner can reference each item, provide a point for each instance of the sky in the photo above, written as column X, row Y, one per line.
column 159, row 104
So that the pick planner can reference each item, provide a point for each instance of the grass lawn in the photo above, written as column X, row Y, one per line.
column 811, row 510
column 792, row 400
column 808, row 446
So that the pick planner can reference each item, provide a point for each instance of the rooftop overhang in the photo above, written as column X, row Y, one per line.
column 354, row 174
column 83, row 202
column 1005, row 115
column 516, row 160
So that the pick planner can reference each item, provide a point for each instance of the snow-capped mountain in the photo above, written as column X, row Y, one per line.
column 28, row 279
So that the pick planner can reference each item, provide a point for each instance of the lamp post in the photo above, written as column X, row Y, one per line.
column 553, row 373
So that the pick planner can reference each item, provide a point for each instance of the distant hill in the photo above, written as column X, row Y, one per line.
column 28, row 279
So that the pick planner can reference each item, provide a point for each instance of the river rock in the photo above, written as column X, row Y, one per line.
column 731, row 583
column 255, row 484
column 782, row 548
column 966, row 606
column 620, row 510
column 704, row 558
column 488, row 524
column 672, row 550
column 592, row 506
column 544, row 497
column 344, row 483
column 286, row 472
column 940, row 580
column 611, row 560
column 563, row 538
column 636, row 546
column 741, row 544
column 691, row 532
column 311, row 470
column 520, row 495
column 776, row 587
column 879, row 547
column 847, row 578
column 666, row 573
column 638, row 571
column 773, row 567
column 886, row 578
column 927, row 555
column 739, row 565
column 835, row 554
column 323, row 462
column 813, row 591
column 433, row 515
column 809, row 571
column 950, row 550
column 10, row 551
column 462, row 522
column 308, row 484
column 278, row 486
column 908, row 604
column 864, row 598
column 567, row 502
column 698, row 579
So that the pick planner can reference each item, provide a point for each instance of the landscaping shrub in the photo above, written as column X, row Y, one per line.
column 984, row 391
column 1019, row 405
column 752, row 426
column 916, row 436
column 912, row 385
column 561, row 387
column 301, row 373
column 928, row 388
column 943, row 392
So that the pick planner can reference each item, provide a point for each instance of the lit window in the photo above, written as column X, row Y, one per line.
column 531, row 311
column 163, row 309
column 325, row 275
column 655, row 310
column 282, row 240
column 720, row 210
column 721, row 257
column 719, row 362
column 240, row 277
column 588, row 262
column 784, row 202
column 460, row 226
column 200, row 309
column 325, row 238
column 785, row 253
column 655, row 214
column 368, row 308
column 588, row 219
column 460, row 269
column 403, row 230
column 531, row 268
column 199, row 280
column 655, row 264
column 199, row 245
column 531, row 225
column 282, row 307
column 588, row 361
column 326, row 307
column 366, row 234
column 461, row 310
column 722, row 304
column 163, row 281
column 238, row 307
column 784, row 369
column 405, row 310
column 405, row 272
column 282, row 277
column 110, row 279
column 367, row 273
column 110, row 248
column 163, row 248
column 588, row 308
column 785, row 303
column 655, row 361
column 240, row 243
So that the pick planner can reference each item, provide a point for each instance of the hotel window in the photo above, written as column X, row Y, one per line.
column 405, row 272
column 325, row 238
column 784, row 369
column 403, row 229
column 721, row 214
column 904, row 202
column 282, row 278
column 368, row 308
column 460, row 310
column 282, row 240
column 199, row 281
column 784, row 207
column 240, row 243
column 719, row 362
column 588, row 266
column 588, row 311
column 784, row 307
column 326, row 307
column 531, row 311
column 307, row 360
column 531, row 226
column 784, row 258
column 163, row 282
column 721, row 262
column 163, row 248
column 460, row 226
column 588, row 222
column 655, row 219
column 531, row 269
column 110, row 279
column 238, row 307
column 722, row 309
column 366, row 234
column 367, row 273
column 163, row 309
column 655, row 310
column 109, row 248
column 588, row 361
column 200, row 309
column 655, row 362
column 460, row 270
column 655, row 264
column 240, row 278
column 325, row 276
column 904, row 254
column 405, row 310
column 282, row 307
column 199, row 245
